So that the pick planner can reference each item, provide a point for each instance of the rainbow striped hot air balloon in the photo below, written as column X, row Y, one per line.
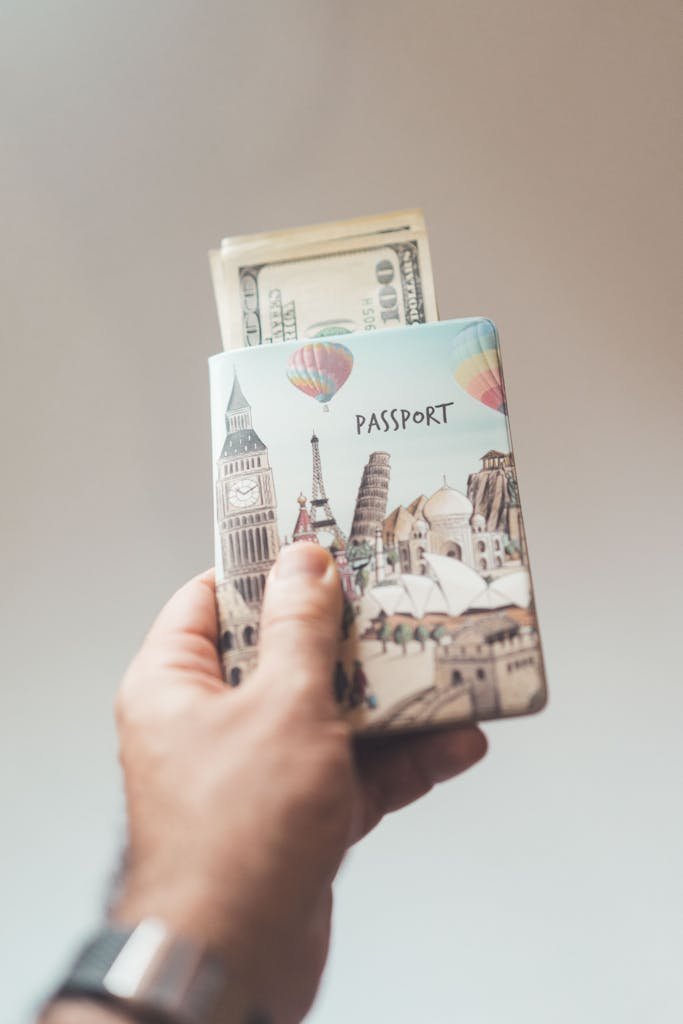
column 319, row 369
column 476, row 364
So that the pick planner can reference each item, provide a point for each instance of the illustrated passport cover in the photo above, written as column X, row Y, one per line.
column 391, row 449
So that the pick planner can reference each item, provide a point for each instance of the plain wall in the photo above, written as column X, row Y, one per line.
column 540, row 138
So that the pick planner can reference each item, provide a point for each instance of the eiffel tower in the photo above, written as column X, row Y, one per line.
column 322, row 519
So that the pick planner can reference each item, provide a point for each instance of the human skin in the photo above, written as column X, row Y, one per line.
column 242, row 802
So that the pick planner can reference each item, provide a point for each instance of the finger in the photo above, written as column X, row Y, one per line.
column 192, row 609
column 397, row 771
column 182, row 639
column 300, row 626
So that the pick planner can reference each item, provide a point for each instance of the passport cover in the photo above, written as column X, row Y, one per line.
column 392, row 449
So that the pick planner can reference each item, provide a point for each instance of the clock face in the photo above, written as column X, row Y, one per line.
column 244, row 492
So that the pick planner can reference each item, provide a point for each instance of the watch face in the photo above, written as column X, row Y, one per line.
column 244, row 493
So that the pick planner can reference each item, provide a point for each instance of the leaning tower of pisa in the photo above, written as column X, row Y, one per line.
column 371, row 503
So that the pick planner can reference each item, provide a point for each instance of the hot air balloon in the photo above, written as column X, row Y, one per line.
column 476, row 364
column 319, row 369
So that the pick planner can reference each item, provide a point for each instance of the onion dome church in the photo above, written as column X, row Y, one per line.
column 303, row 528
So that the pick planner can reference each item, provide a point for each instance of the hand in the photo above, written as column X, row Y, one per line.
column 242, row 802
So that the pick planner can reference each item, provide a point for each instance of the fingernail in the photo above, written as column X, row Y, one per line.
column 302, row 559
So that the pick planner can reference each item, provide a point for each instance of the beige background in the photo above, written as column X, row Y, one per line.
column 540, row 138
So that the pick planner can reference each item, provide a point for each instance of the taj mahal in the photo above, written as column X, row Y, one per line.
column 443, row 524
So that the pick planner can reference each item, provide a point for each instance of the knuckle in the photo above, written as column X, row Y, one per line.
column 190, row 652
column 120, row 709
column 310, row 617
column 124, row 715
column 129, row 703
column 129, row 717
column 301, row 685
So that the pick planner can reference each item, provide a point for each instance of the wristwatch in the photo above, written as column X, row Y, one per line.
column 156, row 976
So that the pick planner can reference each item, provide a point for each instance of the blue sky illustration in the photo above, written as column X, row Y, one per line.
column 410, row 368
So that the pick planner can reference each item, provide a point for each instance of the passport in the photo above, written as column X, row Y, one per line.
column 391, row 449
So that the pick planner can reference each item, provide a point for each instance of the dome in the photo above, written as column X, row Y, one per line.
column 447, row 502
column 478, row 522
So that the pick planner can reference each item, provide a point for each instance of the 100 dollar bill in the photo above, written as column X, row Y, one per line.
column 357, row 275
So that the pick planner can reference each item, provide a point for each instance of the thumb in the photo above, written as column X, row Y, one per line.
column 301, row 624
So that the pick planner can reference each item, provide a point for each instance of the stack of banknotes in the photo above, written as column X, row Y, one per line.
column 364, row 274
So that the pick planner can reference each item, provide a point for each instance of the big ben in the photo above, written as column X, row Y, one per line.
column 245, row 502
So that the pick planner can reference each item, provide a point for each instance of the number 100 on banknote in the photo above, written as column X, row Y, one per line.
column 341, row 278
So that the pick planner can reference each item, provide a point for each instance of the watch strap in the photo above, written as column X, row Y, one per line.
column 156, row 976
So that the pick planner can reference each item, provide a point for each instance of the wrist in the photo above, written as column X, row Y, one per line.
column 151, row 975
column 198, row 912
column 274, row 942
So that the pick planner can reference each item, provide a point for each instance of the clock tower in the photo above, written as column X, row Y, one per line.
column 245, row 502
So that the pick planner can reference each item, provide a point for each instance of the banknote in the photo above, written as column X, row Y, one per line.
column 364, row 274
